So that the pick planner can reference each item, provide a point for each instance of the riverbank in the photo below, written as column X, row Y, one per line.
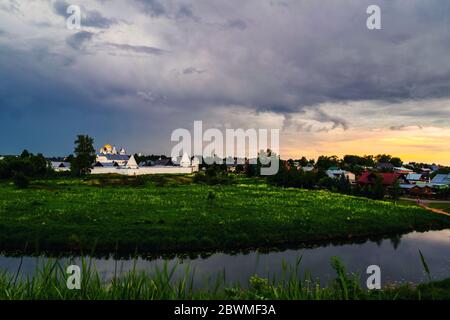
column 398, row 257
column 49, row 283
column 172, row 214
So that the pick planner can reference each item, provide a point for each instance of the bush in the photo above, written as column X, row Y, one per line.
column 443, row 193
column 214, row 175
column 211, row 197
column 20, row 180
column 34, row 166
column 161, row 181
column 293, row 178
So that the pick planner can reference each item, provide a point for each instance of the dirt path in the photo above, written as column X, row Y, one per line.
column 438, row 211
column 424, row 204
column 427, row 201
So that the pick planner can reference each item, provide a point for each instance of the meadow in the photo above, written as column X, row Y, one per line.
column 166, row 214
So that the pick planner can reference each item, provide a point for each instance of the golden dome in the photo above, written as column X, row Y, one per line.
column 107, row 147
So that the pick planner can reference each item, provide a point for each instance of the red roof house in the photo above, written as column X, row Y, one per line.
column 371, row 178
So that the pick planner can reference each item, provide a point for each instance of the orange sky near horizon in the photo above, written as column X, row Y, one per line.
column 428, row 144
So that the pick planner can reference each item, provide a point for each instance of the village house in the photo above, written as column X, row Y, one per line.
column 426, row 170
column 163, row 162
column 417, row 189
column 420, row 185
column 441, row 180
column 388, row 179
column 59, row 166
column 336, row 173
column 385, row 166
column 414, row 178
column 403, row 170
column 308, row 168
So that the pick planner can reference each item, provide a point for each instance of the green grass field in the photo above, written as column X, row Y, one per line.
column 169, row 214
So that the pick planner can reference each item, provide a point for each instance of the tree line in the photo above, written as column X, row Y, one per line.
column 20, row 169
column 293, row 177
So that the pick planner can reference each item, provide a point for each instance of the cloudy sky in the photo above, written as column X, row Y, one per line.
column 138, row 69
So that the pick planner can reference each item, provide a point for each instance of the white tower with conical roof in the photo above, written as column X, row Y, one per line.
column 131, row 163
column 185, row 161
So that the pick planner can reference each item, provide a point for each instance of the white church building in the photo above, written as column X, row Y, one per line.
column 109, row 160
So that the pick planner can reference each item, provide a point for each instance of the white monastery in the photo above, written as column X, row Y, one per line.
column 109, row 160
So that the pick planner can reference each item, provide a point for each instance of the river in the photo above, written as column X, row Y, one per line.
column 398, row 259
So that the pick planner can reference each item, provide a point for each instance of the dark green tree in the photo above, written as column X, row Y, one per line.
column 395, row 191
column 281, row 178
column 357, row 191
column 367, row 191
column 25, row 154
column 443, row 193
column 20, row 180
column 383, row 158
column 369, row 161
column 327, row 183
column 240, row 169
column 396, row 162
column 325, row 162
column 32, row 166
column 39, row 165
column 344, row 185
column 84, row 155
column 303, row 162
column 378, row 190
column 309, row 180
column 352, row 160
column 250, row 170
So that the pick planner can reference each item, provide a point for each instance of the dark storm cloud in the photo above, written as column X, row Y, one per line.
column 237, row 24
column 166, row 9
column 290, row 58
column 185, row 11
column 96, row 20
column 60, row 8
column 401, row 127
column 89, row 18
column 137, row 49
column 153, row 7
column 38, row 100
column 341, row 60
column 36, row 82
column 322, row 116
column 78, row 40
column 193, row 70
column 301, row 53
column 318, row 115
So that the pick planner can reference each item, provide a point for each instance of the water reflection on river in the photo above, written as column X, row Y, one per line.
column 398, row 258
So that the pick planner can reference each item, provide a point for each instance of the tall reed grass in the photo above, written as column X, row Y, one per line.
column 49, row 282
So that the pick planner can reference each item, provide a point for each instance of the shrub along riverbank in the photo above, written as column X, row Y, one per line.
column 169, row 214
column 50, row 282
